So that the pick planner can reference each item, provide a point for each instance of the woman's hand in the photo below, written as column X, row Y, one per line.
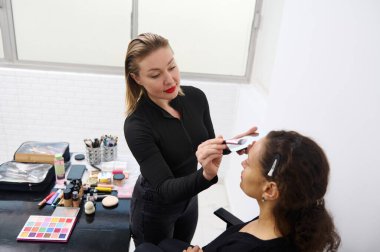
column 209, row 155
column 196, row 248
column 251, row 132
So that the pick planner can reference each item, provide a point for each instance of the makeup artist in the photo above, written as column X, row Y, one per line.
column 165, row 124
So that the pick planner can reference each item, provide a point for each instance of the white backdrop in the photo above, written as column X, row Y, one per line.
column 326, row 84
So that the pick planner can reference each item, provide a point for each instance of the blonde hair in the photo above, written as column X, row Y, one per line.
column 139, row 48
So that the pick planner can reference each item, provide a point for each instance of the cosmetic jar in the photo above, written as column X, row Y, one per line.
column 118, row 179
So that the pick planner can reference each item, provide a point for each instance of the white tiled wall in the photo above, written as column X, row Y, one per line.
column 52, row 106
column 59, row 106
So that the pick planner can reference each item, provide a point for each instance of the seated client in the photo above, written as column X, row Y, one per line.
column 287, row 174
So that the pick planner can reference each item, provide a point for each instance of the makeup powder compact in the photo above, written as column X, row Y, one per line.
column 118, row 179
column 79, row 157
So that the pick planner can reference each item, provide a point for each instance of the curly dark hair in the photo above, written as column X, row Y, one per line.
column 301, row 172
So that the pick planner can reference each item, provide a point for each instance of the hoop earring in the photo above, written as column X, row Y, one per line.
column 263, row 199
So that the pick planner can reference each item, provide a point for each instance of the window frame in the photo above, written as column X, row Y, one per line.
column 11, row 59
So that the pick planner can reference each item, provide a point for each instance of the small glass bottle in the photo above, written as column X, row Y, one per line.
column 92, row 196
column 67, row 198
column 95, row 195
column 59, row 168
column 70, row 186
column 76, row 188
column 75, row 199
column 81, row 190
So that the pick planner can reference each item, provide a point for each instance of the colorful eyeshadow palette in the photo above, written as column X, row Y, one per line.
column 47, row 229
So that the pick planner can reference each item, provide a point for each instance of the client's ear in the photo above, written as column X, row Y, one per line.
column 271, row 191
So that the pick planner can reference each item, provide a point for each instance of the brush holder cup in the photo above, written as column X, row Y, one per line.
column 93, row 155
column 109, row 153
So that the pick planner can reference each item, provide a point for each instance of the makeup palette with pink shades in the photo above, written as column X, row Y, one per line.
column 47, row 229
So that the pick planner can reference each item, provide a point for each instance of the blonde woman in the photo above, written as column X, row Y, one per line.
column 165, row 124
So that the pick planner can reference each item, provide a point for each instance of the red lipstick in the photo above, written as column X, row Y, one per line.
column 170, row 90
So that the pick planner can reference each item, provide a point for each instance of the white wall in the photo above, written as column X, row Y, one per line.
column 252, row 104
column 326, row 84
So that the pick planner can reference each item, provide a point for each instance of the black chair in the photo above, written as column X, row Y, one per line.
column 227, row 217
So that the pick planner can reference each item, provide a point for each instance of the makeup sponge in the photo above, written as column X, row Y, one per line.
column 89, row 207
column 110, row 201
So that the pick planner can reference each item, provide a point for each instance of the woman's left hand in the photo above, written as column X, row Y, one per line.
column 251, row 132
column 196, row 248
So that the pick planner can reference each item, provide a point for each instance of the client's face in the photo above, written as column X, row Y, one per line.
column 252, row 180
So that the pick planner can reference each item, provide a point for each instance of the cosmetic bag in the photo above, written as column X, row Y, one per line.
column 15, row 176
column 41, row 152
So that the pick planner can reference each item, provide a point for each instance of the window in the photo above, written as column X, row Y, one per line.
column 1, row 46
column 2, row 22
column 208, row 37
column 92, row 32
column 211, row 39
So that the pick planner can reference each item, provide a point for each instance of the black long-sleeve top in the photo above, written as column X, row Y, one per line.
column 165, row 146
column 233, row 240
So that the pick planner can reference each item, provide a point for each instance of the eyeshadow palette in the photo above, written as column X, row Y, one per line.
column 47, row 229
column 240, row 143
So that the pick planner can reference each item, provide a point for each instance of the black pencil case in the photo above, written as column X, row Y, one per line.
column 15, row 176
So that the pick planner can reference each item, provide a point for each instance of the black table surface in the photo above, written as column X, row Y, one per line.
column 106, row 230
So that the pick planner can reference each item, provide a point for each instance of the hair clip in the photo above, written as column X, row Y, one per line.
column 276, row 160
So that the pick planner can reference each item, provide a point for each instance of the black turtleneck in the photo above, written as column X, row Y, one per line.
column 165, row 146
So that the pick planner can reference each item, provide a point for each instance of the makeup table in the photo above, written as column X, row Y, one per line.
column 106, row 230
